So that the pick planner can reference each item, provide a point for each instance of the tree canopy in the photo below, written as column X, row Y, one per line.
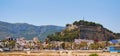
column 86, row 23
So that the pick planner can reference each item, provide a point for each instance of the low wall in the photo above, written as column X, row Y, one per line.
column 59, row 53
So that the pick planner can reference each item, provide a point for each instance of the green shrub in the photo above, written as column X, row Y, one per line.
column 93, row 55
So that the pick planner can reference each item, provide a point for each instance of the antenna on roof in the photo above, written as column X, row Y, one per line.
column 83, row 18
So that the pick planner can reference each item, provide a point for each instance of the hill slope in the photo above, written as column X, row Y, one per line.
column 83, row 30
column 26, row 30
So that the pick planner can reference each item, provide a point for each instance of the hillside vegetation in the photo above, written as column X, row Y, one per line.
column 28, row 31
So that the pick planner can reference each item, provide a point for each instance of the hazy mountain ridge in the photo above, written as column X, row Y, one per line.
column 28, row 31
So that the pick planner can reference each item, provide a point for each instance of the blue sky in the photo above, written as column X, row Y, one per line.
column 61, row 12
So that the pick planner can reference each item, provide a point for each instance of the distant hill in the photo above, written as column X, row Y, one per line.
column 84, row 30
column 28, row 31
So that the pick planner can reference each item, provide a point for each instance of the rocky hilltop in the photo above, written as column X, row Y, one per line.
column 84, row 30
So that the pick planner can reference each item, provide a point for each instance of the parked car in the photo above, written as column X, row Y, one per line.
column 106, row 49
column 27, row 49
column 1, row 50
column 112, row 49
column 6, row 49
